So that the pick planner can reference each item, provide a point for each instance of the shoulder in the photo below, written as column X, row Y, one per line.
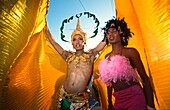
column 131, row 51
column 70, row 53
column 88, row 55
column 66, row 53
column 93, row 52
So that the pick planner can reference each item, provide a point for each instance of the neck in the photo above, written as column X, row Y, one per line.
column 117, row 47
column 79, row 52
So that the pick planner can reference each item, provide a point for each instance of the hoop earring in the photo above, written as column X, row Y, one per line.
column 74, row 49
column 85, row 46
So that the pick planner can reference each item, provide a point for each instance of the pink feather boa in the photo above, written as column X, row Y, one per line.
column 118, row 68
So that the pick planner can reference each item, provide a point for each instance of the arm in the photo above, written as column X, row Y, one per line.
column 57, row 47
column 136, row 60
column 109, row 92
column 98, row 48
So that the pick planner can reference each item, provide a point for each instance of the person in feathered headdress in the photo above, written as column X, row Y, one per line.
column 74, row 92
column 79, row 31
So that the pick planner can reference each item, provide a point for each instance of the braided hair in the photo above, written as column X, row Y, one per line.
column 121, row 26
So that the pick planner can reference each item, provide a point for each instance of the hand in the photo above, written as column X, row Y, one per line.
column 151, row 108
column 110, row 107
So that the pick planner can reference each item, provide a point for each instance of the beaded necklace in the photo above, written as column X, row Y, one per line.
column 83, row 57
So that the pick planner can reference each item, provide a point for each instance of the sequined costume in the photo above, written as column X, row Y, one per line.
column 73, row 101
column 79, row 101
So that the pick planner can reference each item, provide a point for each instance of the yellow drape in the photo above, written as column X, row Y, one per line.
column 30, row 68
column 150, row 21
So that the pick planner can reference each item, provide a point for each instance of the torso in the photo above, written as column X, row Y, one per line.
column 122, row 84
column 79, row 73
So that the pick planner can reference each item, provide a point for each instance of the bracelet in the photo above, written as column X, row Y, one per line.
column 151, row 108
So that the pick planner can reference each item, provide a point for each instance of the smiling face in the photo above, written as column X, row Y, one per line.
column 113, row 36
column 78, row 42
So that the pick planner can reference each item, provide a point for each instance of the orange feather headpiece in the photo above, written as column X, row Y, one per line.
column 78, row 31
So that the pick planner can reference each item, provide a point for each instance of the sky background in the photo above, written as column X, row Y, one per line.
column 60, row 10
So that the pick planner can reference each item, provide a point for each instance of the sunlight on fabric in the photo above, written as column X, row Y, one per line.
column 149, row 20
column 31, row 70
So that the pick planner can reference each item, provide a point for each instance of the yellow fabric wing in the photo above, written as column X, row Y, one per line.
column 30, row 67
column 150, row 22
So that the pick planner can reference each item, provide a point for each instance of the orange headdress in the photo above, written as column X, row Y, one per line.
column 79, row 31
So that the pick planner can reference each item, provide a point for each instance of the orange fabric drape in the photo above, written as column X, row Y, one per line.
column 34, row 75
column 30, row 68
column 150, row 21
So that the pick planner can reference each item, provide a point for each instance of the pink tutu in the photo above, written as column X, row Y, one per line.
column 118, row 68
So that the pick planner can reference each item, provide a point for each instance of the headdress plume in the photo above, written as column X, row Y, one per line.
column 78, row 31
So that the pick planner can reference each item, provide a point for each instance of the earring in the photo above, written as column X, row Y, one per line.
column 74, row 49
column 85, row 46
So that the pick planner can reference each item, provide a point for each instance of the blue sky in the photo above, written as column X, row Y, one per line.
column 60, row 10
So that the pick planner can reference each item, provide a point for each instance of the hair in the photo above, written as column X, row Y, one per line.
column 121, row 26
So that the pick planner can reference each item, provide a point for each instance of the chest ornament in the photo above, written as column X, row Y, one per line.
column 77, row 58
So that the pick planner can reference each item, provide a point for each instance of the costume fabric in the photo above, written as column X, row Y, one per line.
column 73, row 101
column 131, row 98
